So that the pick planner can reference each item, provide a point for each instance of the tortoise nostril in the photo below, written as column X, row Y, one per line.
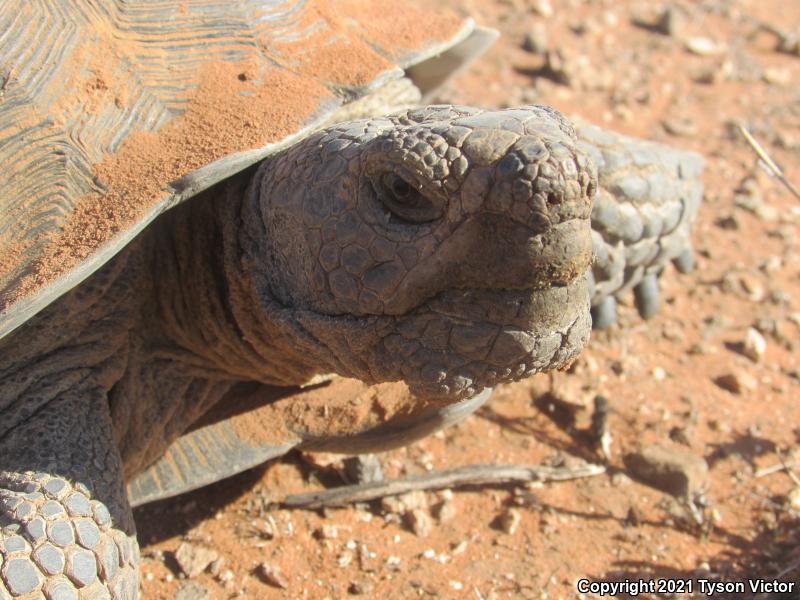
column 553, row 199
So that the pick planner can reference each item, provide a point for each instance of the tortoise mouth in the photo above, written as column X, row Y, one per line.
column 463, row 341
column 457, row 343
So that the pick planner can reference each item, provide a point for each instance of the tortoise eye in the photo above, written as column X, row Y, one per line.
column 406, row 201
column 397, row 185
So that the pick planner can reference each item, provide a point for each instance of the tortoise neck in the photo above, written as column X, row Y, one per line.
column 208, row 304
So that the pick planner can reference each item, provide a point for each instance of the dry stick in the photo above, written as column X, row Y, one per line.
column 436, row 480
column 767, row 160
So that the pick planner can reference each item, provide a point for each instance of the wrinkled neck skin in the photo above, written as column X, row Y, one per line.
column 445, row 247
column 205, row 298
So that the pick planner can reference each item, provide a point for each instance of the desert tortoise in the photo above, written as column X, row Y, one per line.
column 308, row 234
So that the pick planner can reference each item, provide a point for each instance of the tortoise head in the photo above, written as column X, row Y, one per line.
column 444, row 246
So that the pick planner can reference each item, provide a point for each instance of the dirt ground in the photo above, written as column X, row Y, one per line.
column 695, row 379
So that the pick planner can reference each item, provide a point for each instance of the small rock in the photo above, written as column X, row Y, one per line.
column 456, row 585
column 344, row 559
column 359, row 588
column 419, row 522
column 754, row 345
column 680, row 127
column 680, row 435
column 777, row 76
column 193, row 559
column 543, row 8
column 226, row 576
column 271, row 575
column 728, row 222
column 619, row 479
column 363, row 468
column 788, row 43
column 703, row 46
column 793, row 498
column 535, row 40
column 321, row 460
column 737, row 383
column 215, row 568
column 446, row 511
column 326, row 532
column 752, row 287
column 191, row 590
column 707, row 74
column 702, row 348
column 560, row 67
column 634, row 517
column 771, row 264
column 669, row 22
column 405, row 502
column 673, row 470
column 509, row 521
column 749, row 197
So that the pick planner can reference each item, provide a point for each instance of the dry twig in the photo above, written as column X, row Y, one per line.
column 435, row 480
column 773, row 167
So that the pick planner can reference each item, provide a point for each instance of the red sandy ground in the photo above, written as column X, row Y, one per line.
column 659, row 376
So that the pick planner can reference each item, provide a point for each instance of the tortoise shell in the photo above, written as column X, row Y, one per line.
column 114, row 111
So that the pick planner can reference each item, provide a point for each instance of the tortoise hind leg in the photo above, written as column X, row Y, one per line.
column 66, row 529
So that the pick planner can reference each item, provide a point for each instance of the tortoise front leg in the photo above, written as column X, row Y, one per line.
column 66, row 529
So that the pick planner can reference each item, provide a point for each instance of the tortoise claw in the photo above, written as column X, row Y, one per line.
column 646, row 296
column 684, row 262
column 604, row 314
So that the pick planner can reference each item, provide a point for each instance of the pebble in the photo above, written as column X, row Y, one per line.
column 510, row 520
column 673, row 470
column 193, row 559
column 363, row 468
column 560, row 67
column 215, row 568
column 226, row 576
column 754, row 345
column 679, row 127
column 749, row 197
column 405, row 502
column 707, row 74
column 359, row 588
column 790, row 44
column 191, row 590
column 535, row 40
column 703, row 46
column 702, row 348
column 728, row 222
column 777, row 76
column 271, row 574
column 543, row 8
column 793, row 498
column 619, row 479
column 446, row 511
column 669, row 22
column 737, row 383
column 419, row 522
column 752, row 287
column 326, row 532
